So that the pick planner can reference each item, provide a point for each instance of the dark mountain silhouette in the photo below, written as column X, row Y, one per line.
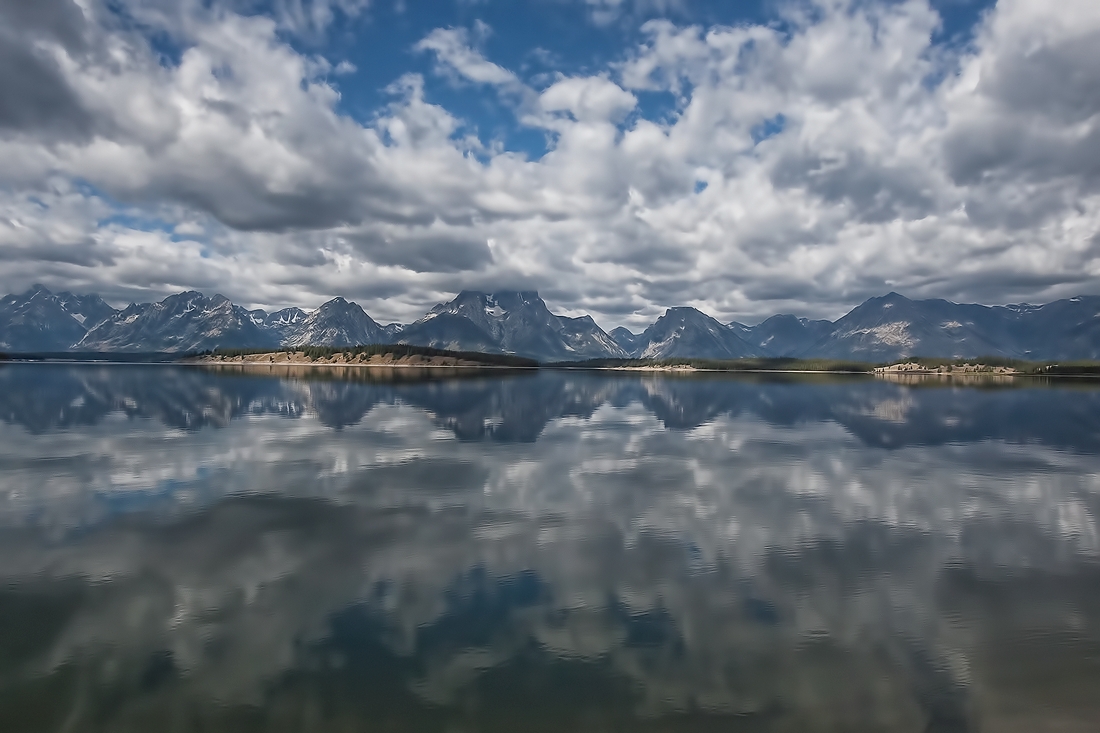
column 882, row 329
column 336, row 323
column 689, row 333
column 184, row 322
column 783, row 335
column 39, row 320
column 510, row 322
column 894, row 327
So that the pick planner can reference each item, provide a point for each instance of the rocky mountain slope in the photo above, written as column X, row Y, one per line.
column 39, row 320
column 336, row 323
column 783, row 335
column 183, row 322
column 282, row 323
column 689, row 333
column 893, row 327
column 1064, row 329
column 625, row 338
column 882, row 329
column 510, row 322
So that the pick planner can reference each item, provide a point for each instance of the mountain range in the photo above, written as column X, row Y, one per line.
column 881, row 329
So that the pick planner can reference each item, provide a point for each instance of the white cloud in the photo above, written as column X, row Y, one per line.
column 1023, row 133
column 452, row 48
column 605, row 12
column 317, row 14
column 842, row 156
column 590, row 99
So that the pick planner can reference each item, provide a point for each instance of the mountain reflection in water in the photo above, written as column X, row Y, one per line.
column 197, row 549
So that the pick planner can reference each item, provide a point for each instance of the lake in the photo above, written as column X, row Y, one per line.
column 211, row 549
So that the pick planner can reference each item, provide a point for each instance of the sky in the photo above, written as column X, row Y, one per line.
column 619, row 156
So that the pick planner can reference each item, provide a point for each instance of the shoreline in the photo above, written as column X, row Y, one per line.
column 437, row 362
column 340, row 360
column 703, row 370
column 330, row 365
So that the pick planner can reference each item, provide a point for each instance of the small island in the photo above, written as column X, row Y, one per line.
column 949, row 369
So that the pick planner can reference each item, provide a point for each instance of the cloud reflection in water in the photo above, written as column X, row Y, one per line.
column 570, row 551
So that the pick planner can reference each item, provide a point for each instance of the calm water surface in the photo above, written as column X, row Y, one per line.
column 186, row 549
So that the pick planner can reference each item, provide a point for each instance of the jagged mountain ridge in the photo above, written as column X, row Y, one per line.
column 90, row 310
column 1065, row 329
column 783, row 335
column 282, row 322
column 689, row 333
column 892, row 326
column 625, row 338
column 183, row 322
column 39, row 320
column 881, row 329
column 336, row 323
column 513, row 322
column 507, row 322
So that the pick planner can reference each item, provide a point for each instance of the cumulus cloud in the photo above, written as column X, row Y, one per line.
column 803, row 166
column 591, row 99
column 452, row 48
column 1023, row 132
